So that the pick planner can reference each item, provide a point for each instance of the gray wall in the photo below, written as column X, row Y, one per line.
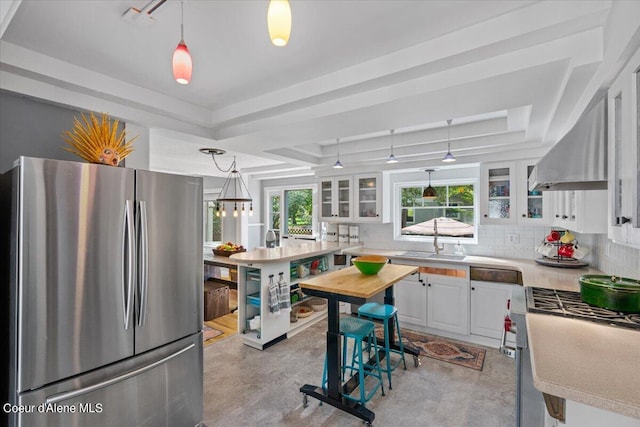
column 29, row 127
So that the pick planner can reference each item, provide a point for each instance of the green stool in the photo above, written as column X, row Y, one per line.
column 384, row 312
column 358, row 330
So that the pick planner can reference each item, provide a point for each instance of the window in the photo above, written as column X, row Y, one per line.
column 455, row 201
column 290, row 210
column 212, row 223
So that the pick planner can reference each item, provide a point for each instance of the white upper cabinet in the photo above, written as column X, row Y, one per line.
column 357, row 198
column 505, row 197
column 582, row 211
column 624, row 155
column 497, row 200
column 369, row 198
column 336, row 194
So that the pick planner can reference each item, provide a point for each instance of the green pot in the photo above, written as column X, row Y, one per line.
column 611, row 292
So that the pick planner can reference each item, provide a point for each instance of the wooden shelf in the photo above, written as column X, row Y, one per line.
column 305, row 322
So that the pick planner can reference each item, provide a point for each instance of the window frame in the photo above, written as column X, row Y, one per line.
column 210, row 195
column 280, row 190
column 397, row 211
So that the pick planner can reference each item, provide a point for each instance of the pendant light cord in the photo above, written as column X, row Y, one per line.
column 449, row 136
column 233, row 165
column 182, row 21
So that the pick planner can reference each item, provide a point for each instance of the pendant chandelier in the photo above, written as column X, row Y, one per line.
column 449, row 157
column 234, row 190
column 392, row 158
column 429, row 193
column 182, row 64
column 279, row 22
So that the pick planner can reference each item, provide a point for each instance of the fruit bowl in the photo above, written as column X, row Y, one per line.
column 370, row 264
column 227, row 253
column 228, row 249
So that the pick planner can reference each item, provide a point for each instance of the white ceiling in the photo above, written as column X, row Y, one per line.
column 514, row 76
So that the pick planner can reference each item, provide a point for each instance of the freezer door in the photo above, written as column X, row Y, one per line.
column 73, row 269
column 161, row 388
column 170, row 270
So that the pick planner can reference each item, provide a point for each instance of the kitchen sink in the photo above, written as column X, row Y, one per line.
column 447, row 256
column 429, row 255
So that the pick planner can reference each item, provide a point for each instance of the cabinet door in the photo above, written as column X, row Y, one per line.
column 497, row 198
column 534, row 207
column 411, row 300
column 368, row 199
column 343, row 198
column 326, row 200
column 624, row 155
column 448, row 304
column 488, row 306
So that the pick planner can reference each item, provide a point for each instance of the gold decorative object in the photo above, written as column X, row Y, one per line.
column 98, row 142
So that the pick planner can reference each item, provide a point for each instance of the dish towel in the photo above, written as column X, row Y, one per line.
column 285, row 294
column 274, row 303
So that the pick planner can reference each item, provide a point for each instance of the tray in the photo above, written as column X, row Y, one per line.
column 254, row 299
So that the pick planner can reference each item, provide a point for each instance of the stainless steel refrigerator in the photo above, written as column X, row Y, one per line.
column 101, row 296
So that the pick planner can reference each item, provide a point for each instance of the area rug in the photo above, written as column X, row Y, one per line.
column 443, row 349
column 209, row 333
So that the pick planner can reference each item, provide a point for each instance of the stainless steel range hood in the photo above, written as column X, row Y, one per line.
column 579, row 160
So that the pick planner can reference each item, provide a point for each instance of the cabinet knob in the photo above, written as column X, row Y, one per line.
column 524, row 216
column 429, row 284
column 564, row 217
column 473, row 289
column 485, row 215
column 557, row 216
column 377, row 215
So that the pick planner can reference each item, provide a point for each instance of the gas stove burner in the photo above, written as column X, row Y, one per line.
column 569, row 304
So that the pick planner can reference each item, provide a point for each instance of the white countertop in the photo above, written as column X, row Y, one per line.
column 583, row 361
column 288, row 253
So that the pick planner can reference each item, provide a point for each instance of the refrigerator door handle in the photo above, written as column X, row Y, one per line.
column 144, row 263
column 128, row 249
column 85, row 390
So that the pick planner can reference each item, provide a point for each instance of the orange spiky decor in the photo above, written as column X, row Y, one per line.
column 98, row 142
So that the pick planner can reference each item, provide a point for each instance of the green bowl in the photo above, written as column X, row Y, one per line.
column 370, row 264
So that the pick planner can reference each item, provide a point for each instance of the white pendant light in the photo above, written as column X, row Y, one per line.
column 449, row 157
column 337, row 164
column 392, row 158
column 279, row 22
column 182, row 64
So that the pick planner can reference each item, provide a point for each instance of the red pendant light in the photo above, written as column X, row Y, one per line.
column 182, row 64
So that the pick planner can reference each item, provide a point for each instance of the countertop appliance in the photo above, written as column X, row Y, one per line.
column 103, row 308
column 529, row 400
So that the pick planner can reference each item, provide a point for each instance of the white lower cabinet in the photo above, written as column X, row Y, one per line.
column 411, row 300
column 488, row 307
column 448, row 303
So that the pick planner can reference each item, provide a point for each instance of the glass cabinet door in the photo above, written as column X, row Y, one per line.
column 534, row 199
column 499, row 206
column 367, row 197
column 326, row 199
column 344, row 198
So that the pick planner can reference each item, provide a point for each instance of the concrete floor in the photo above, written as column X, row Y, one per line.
column 248, row 387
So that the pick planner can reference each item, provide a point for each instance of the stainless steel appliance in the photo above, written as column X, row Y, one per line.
column 104, row 295
column 529, row 400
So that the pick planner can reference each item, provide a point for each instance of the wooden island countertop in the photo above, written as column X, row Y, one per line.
column 350, row 282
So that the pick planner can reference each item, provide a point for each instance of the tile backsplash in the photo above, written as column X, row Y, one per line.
column 493, row 240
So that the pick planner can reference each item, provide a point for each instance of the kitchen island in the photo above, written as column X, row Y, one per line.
column 354, row 287
column 260, row 324
column 586, row 363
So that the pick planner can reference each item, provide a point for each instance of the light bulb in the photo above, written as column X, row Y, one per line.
column 235, row 210
column 251, row 209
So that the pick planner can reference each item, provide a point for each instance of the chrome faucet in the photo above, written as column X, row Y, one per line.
column 436, row 248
